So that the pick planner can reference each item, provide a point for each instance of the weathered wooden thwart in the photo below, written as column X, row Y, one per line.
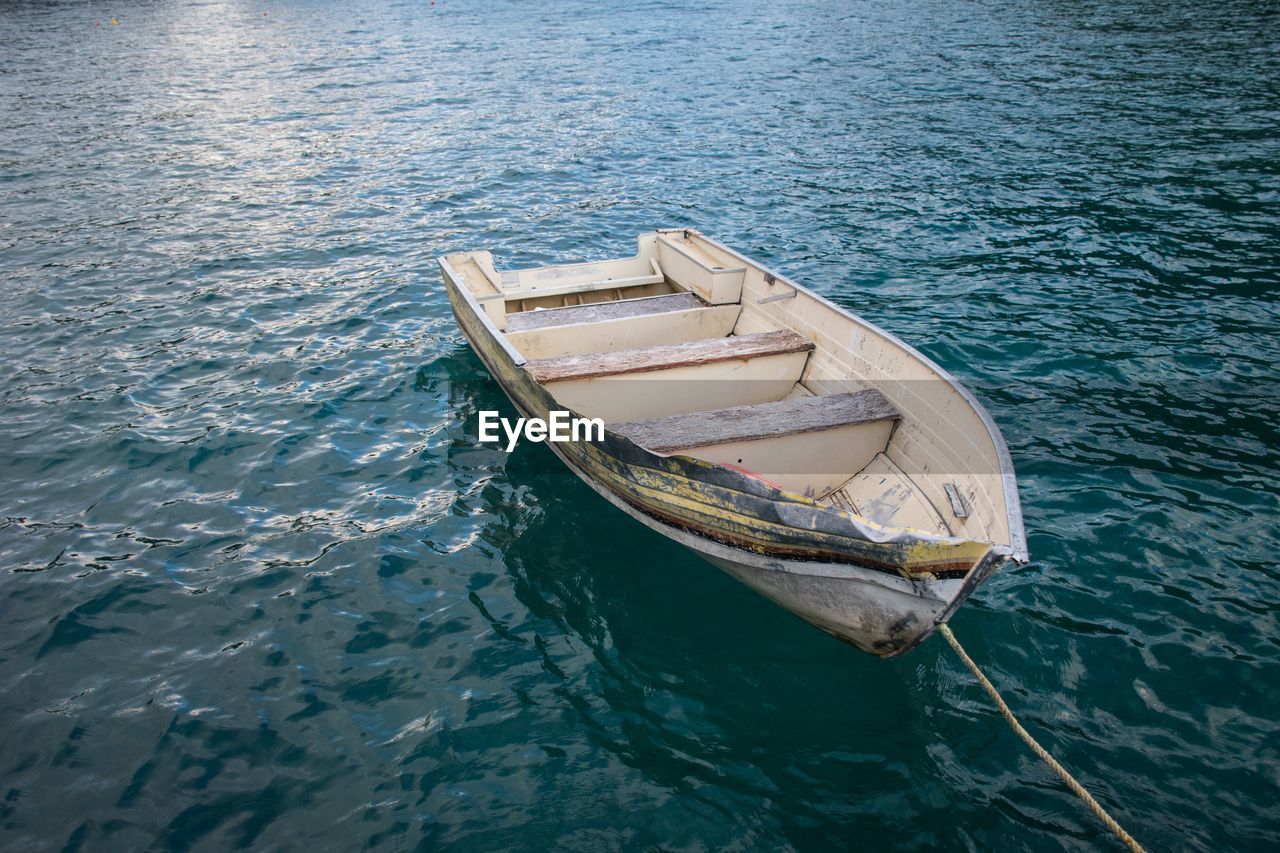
column 810, row 454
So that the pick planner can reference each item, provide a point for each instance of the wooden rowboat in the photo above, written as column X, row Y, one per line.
column 810, row 454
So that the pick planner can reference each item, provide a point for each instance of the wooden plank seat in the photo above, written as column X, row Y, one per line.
column 667, row 357
column 757, row 422
column 525, row 321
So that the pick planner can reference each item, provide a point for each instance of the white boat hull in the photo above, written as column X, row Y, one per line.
column 875, row 537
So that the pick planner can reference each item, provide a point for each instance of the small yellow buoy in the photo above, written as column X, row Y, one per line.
column 115, row 22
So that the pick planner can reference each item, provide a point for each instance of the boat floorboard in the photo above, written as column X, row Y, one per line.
column 884, row 494
column 525, row 321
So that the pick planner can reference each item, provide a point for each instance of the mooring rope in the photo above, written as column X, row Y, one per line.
column 1039, row 750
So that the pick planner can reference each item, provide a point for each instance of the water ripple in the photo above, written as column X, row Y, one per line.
column 260, row 586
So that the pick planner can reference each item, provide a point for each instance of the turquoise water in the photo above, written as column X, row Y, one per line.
column 260, row 586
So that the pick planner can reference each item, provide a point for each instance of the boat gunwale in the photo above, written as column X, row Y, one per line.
column 711, row 475
column 710, row 548
column 1013, row 504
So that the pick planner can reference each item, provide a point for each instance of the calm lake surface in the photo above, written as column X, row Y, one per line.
column 260, row 586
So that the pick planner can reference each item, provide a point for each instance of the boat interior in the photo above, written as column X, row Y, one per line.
column 690, row 349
